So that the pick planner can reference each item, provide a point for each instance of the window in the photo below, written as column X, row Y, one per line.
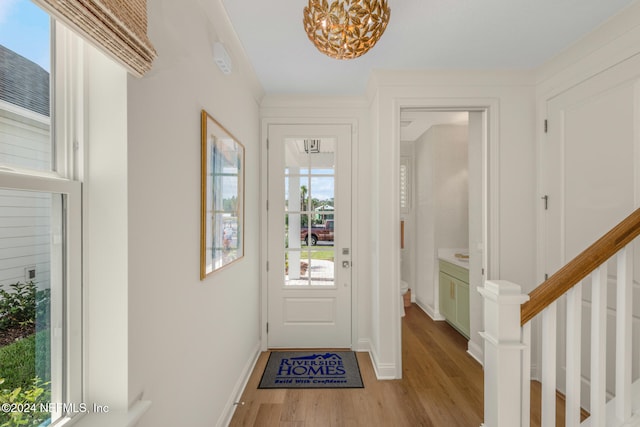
column 40, row 217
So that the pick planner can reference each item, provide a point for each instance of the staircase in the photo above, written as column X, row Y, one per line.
column 554, row 312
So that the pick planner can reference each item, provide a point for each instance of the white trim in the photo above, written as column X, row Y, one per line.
column 508, row 345
column 364, row 345
column 355, row 147
column 264, row 236
column 128, row 418
column 475, row 351
column 22, row 113
column 235, row 397
column 430, row 311
column 384, row 371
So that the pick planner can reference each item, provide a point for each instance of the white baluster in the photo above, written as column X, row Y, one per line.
column 502, row 353
column 623, row 333
column 573, row 343
column 526, row 375
column 599, row 346
column 549, row 349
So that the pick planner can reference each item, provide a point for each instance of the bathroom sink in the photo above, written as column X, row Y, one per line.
column 462, row 256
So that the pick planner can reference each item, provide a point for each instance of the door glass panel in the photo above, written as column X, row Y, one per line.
column 322, row 266
column 322, row 197
column 309, row 205
column 31, row 298
column 297, row 267
column 296, row 193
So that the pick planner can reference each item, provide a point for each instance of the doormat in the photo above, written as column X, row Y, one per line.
column 311, row 369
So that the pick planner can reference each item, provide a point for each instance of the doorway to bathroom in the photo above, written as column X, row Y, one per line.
column 443, row 154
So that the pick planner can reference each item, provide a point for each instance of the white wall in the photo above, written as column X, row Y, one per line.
column 442, row 190
column 191, row 342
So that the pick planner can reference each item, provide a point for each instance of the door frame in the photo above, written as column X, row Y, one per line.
column 264, row 192
column 490, row 193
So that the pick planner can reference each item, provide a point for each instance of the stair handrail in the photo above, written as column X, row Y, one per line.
column 580, row 267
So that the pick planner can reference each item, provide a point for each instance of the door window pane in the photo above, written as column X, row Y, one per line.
column 25, row 87
column 322, row 197
column 296, row 193
column 296, row 267
column 309, row 206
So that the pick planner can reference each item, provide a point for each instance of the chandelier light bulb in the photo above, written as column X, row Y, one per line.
column 345, row 29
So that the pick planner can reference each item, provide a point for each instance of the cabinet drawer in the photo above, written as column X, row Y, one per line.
column 455, row 271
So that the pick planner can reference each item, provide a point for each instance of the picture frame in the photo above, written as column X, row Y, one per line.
column 222, row 197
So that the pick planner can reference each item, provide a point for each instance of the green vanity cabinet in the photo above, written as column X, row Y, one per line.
column 454, row 296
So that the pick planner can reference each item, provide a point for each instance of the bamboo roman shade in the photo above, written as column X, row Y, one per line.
column 118, row 26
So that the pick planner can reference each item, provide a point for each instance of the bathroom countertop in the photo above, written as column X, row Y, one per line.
column 449, row 255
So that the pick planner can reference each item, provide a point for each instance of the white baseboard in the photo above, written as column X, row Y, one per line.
column 430, row 311
column 114, row 418
column 384, row 371
column 236, row 393
column 363, row 345
column 476, row 352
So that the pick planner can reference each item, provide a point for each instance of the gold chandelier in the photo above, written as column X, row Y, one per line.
column 346, row 29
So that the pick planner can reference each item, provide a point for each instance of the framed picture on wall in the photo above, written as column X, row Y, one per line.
column 222, row 198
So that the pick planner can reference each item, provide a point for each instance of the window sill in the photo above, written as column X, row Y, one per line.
column 113, row 418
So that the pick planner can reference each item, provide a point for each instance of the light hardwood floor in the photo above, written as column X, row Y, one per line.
column 441, row 386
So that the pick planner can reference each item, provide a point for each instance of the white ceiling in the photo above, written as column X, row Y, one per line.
column 415, row 123
column 422, row 34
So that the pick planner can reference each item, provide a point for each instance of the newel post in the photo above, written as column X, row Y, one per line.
column 502, row 353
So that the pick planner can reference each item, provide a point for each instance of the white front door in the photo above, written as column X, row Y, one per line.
column 309, row 236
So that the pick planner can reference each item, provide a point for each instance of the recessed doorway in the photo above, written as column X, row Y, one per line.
column 446, row 150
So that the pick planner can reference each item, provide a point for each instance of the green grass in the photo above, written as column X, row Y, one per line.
column 18, row 363
column 317, row 253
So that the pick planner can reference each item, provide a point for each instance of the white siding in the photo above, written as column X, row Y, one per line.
column 24, row 138
column 25, row 217
column 24, row 235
